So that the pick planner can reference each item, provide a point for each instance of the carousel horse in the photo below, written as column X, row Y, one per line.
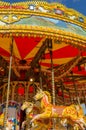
column 31, row 111
column 69, row 124
column 8, row 124
column 73, row 113
column 1, row 119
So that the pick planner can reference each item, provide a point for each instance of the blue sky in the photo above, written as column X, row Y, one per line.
column 79, row 5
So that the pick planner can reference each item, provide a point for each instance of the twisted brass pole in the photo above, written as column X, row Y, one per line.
column 8, row 88
column 53, row 85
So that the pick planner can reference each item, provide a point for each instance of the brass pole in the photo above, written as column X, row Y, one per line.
column 76, row 90
column 40, row 77
column 53, row 82
column 8, row 87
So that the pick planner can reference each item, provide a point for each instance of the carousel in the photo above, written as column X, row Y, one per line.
column 42, row 67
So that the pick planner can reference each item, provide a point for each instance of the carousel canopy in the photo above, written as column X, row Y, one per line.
column 42, row 36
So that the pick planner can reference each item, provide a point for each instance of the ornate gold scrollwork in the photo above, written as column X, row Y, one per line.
column 11, row 18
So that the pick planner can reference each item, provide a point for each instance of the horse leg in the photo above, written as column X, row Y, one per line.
column 38, row 116
column 79, row 124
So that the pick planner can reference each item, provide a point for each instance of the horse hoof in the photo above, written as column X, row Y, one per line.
column 30, row 124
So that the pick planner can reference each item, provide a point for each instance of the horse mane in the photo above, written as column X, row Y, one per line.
column 49, row 96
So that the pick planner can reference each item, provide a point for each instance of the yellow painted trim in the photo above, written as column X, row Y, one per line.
column 23, row 12
column 60, row 35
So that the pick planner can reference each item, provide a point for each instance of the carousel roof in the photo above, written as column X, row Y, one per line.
column 40, row 36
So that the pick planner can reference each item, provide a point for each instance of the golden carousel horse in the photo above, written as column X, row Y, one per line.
column 31, row 111
column 1, row 119
column 73, row 113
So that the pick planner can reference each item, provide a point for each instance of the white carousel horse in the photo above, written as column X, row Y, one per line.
column 73, row 113
column 31, row 111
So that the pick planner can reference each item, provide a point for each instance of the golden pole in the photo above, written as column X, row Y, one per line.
column 53, row 83
column 8, row 87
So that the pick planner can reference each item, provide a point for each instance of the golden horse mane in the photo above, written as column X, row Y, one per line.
column 49, row 96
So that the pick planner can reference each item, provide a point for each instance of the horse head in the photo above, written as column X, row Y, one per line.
column 40, row 93
column 26, row 105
